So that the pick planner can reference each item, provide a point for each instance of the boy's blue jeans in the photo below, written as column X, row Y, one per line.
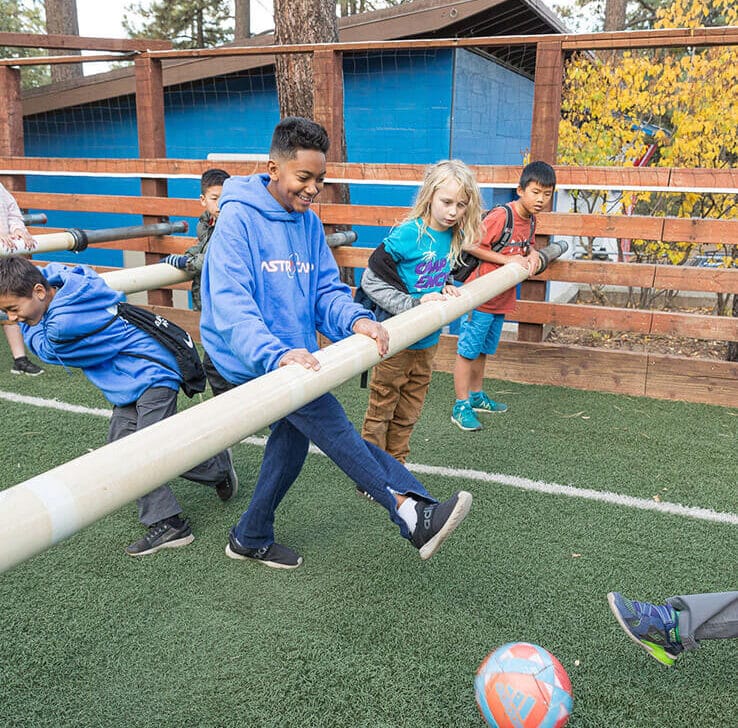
column 324, row 422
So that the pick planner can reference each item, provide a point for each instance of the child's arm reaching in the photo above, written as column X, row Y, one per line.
column 384, row 294
column 17, row 231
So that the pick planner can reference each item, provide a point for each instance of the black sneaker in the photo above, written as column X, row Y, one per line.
column 363, row 494
column 274, row 555
column 228, row 487
column 437, row 521
column 23, row 365
column 167, row 534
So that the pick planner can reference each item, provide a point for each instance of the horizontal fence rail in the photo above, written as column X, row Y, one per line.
column 616, row 178
column 627, row 372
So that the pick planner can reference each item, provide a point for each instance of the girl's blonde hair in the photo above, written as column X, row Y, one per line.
column 468, row 229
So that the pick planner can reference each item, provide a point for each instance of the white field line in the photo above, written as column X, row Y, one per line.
column 539, row 486
column 54, row 404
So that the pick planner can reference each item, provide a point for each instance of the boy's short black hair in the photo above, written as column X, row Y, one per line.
column 540, row 172
column 294, row 133
column 18, row 276
column 212, row 178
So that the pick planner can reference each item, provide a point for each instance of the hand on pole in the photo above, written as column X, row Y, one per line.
column 302, row 357
column 176, row 261
column 375, row 331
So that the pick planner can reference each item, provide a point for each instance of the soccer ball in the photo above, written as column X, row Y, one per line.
column 521, row 685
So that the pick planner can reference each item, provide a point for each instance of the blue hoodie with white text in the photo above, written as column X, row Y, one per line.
column 79, row 329
column 268, row 283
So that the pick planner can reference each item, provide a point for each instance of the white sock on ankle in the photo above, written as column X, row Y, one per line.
column 408, row 513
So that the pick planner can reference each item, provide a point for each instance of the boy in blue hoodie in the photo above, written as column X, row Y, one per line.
column 269, row 282
column 68, row 316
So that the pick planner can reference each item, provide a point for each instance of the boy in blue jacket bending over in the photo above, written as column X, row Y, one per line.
column 269, row 282
column 68, row 316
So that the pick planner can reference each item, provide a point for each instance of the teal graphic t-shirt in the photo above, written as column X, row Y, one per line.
column 422, row 257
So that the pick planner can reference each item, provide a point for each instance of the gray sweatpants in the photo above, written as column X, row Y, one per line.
column 706, row 617
column 152, row 406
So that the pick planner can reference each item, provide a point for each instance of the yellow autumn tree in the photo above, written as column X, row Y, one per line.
column 680, row 103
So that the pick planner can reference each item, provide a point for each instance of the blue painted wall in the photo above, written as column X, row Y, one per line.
column 493, row 113
column 398, row 108
column 406, row 107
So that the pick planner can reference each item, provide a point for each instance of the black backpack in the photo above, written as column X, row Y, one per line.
column 469, row 263
column 172, row 337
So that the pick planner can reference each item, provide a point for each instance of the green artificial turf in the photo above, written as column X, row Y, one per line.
column 365, row 634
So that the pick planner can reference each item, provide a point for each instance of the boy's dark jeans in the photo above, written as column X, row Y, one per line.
column 324, row 422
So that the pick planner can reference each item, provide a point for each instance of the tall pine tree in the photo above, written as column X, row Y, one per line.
column 187, row 23
column 61, row 18
column 24, row 17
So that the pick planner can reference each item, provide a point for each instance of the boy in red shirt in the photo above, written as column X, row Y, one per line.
column 480, row 329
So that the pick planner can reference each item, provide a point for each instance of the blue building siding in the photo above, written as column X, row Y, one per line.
column 493, row 113
column 406, row 107
column 398, row 108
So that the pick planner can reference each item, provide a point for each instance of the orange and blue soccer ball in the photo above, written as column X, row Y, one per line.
column 521, row 685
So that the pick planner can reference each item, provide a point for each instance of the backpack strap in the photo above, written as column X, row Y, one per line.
column 76, row 339
column 507, row 231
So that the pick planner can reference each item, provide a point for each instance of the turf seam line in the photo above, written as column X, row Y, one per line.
column 539, row 486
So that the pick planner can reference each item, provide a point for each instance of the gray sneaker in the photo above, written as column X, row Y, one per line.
column 171, row 533
column 275, row 555
column 437, row 521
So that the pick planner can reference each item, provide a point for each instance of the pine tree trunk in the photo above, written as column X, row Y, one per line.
column 295, row 22
column 243, row 19
column 199, row 25
column 615, row 15
column 61, row 17
column 307, row 21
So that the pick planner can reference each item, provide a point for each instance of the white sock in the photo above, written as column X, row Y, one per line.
column 408, row 513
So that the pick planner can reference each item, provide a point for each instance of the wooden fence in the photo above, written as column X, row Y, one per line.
column 530, row 358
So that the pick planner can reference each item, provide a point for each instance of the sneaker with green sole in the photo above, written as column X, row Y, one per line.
column 464, row 418
column 653, row 628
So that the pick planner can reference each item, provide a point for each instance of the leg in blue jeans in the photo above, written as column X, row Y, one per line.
column 325, row 423
column 284, row 456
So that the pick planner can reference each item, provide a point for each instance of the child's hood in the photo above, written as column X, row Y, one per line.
column 252, row 192
column 78, row 286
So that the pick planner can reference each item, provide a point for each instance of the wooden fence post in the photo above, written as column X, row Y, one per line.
column 328, row 111
column 544, row 140
column 11, row 123
column 151, row 144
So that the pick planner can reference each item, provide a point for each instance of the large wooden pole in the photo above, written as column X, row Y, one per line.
column 11, row 123
column 52, row 506
column 151, row 143
column 544, row 140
